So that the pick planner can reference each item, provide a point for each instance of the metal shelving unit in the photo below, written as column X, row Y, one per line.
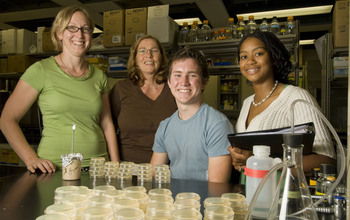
column 228, row 49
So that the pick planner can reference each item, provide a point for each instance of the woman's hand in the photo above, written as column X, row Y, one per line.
column 239, row 157
column 45, row 166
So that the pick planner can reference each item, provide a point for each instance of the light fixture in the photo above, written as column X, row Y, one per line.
column 306, row 42
column 96, row 31
column 290, row 12
column 188, row 20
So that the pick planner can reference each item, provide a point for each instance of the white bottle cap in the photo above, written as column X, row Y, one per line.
column 261, row 150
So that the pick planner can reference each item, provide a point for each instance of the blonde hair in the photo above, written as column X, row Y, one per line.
column 62, row 20
column 134, row 72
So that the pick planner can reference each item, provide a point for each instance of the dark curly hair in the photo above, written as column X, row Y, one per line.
column 282, row 66
column 186, row 53
column 134, row 72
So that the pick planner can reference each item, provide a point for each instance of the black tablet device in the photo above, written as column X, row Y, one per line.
column 274, row 138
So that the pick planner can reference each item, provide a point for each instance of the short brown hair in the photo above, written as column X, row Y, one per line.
column 190, row 53
column 62, row 20
column 134, row 72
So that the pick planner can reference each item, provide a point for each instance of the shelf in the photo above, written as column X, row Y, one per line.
column 117, row 74
column 13, row 75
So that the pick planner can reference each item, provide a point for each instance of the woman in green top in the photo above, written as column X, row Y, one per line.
column 68, row 90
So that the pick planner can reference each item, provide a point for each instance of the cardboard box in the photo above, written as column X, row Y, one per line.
column 19, row 63
column 3, row 41
column 135, row 24
column 168, row 26
column 159, row 11
column 25, row 40
column 39, row 39
column 113, row 28
column 341, row 24
column 3, row 65
column 47, row 42
column 9, row 41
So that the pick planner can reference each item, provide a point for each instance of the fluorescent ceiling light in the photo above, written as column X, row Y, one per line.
column 188, row 20
column 306, row 42
column 290, row 12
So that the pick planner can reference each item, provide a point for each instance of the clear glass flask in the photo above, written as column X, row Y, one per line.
column 292, row 199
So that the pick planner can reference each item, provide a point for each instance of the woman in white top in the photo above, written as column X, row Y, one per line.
column 264, row 61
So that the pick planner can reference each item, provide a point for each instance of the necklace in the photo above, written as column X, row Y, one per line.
column 69, row 73
column 262, row 101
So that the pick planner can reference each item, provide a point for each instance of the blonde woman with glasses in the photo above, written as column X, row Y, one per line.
column 140, row 102
column 68, row 90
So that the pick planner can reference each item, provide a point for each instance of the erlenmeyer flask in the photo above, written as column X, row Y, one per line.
column 292, row 199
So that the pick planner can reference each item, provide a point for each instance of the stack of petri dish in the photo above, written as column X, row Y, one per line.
column 80, row 203
column 187, row 200
column 62, row 208
column 97, row 213
column 238, row 203
column 125, row 170
column 159, row 210
column 182, row 214
column 144, row 172
column 62, row 191
column 105, row 201
column 111, row 169
column 121, row 203
column 162, row 173
column 100, row 190
column 215, row 212
column 52, row 216
column 211, row 201
column 141, row 197
column 97, row 167
column 129, row 214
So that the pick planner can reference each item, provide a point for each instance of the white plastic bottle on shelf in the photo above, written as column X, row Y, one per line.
column 184, row 33
column 206, row 32
column 241, row 27
column 264, row 26
column 290, row 25
column 257, row 167
column 275, row 26
column 231, row 29
column 251, row 26
column 194, row 32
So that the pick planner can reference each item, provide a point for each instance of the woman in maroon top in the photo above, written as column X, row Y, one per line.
column 142, row 101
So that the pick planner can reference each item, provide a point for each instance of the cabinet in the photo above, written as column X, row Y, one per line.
column 230, row 82
column 334, row 88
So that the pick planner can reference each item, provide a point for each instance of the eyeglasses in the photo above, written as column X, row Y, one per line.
column 75, row 29
column 152, row 51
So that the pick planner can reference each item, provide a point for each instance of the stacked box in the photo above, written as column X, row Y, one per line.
column 341, row 24
column 158, row 19
column 135, row 24
column 39, row 39
column 3, row 65
column 47, row 43
column 9, row 41
column 113, row 28
column 25, row 39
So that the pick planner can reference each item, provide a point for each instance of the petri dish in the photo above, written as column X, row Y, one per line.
column 106, row 201
column 121, row 203
column 187, row 204
column 99, row 190
column 97, row 213
column 160, row 191
column 218, row 212
column 130, row 189
column 129, row 214
column 159, row 210
column 161, row 198
column 188, row 195
column 66, row 209
column 188, row 214
column 53, row 216
column 210, row 201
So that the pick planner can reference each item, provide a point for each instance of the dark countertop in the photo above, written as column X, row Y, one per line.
column 25, row 196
